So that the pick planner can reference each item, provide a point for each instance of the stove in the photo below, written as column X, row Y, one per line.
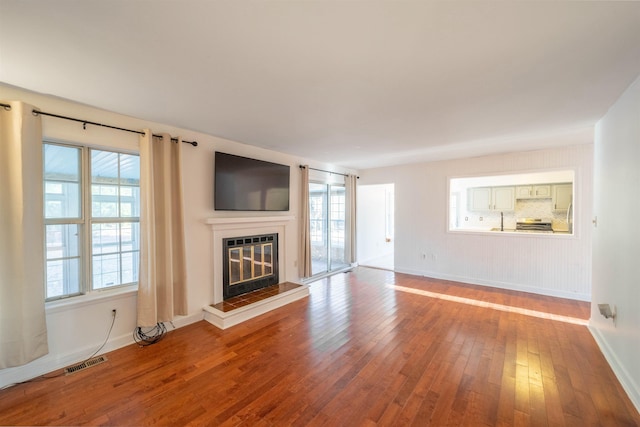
column 538, row 225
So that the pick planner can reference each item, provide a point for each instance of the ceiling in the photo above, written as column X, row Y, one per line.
column 354, row 83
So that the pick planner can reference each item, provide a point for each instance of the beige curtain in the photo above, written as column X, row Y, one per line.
column 23, row 329
column 304, row 265
column 351, row 184
column 162, row 292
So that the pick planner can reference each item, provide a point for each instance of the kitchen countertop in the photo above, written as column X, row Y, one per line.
column 513, row 230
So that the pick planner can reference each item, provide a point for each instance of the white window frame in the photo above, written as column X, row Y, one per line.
column 85, row 224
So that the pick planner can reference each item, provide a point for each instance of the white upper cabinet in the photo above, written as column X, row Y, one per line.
column 480, row 199
column 533, row 192
column 523, row 191
column 492, row 199
column 541, row 191
column 503, row 198
column 562, row 196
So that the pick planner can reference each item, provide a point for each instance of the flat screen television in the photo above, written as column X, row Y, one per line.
column 244, row 184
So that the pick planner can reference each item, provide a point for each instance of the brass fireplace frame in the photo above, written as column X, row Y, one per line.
column 249, row 263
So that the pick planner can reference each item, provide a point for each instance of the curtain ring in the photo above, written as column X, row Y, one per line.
column 84, row 125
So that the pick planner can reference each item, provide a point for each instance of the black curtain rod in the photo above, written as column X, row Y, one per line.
column 322, row 170
column 88, row 122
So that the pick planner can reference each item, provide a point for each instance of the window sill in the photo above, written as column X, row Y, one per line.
column 95, row 297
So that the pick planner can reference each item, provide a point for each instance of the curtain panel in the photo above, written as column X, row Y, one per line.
column 351, row 184
column 304, row 265
column 162, row 288
column 23, row 330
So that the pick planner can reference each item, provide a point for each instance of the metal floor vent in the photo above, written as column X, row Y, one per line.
column 84, row 365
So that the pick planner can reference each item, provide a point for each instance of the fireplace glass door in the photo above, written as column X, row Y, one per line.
column 327, row 226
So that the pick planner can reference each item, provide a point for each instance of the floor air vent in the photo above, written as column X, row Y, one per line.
column 84, row 365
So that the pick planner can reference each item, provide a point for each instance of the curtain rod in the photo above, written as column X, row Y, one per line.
column 322, row 170
column 88, row 122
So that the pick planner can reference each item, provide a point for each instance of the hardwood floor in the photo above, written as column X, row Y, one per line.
column 366, row 348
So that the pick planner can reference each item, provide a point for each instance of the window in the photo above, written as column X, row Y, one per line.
column 327, row 213
column 316, row 217
column 537, row 202
column 92, row 219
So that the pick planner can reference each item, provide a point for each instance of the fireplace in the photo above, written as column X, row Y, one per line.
column 249, row 263
column 237, row 228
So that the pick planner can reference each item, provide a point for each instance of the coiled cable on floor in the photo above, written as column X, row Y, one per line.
column 148, row 336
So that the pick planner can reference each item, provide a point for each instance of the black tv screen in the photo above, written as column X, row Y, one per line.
column 244, row 184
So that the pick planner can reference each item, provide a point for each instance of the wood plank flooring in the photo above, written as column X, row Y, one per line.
column 367, row 348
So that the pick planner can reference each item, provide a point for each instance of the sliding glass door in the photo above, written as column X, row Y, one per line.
column 327, row 226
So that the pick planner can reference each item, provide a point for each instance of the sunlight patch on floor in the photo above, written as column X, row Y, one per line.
column 494, row 306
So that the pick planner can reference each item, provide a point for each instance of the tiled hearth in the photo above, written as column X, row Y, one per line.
column 244, row 307
column 254, row 297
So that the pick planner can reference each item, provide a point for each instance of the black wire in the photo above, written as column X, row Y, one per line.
column 150, row 336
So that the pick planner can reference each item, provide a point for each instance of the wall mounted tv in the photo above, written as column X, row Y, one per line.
column 244, row 184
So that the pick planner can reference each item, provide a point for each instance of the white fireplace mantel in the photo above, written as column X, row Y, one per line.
column 222, row 221
column 230, row 227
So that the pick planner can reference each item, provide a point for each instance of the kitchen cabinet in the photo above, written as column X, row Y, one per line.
column 523, row 191
column 492, row 199
column 562, row 196
column 480, row 199
column 533, row 192
column 503, row 198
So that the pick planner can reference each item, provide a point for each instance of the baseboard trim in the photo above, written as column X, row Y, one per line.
column 50, row 363
column 628, row 384
column 501, row 285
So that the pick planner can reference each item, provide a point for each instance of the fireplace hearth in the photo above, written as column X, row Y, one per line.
column 249, row 263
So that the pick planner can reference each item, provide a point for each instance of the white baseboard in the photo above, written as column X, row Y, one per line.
column 501, row 285
column 50, row 363
column 628, row 384
column 182, row 321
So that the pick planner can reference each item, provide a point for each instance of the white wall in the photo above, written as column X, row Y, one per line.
column 78, row 326
column 616, row 239
column 546, row 264
column 371, row 220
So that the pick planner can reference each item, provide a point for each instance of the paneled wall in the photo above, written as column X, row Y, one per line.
column 546, row 264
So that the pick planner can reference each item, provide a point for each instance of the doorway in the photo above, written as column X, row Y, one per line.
column 376, row 223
